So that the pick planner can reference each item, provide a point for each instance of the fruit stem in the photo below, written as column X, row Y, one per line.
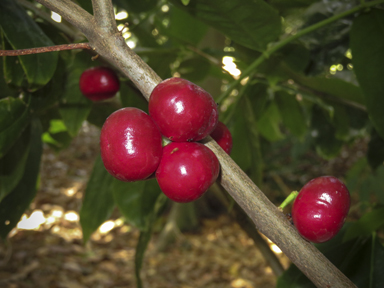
column 291, row 197
column 273, row 48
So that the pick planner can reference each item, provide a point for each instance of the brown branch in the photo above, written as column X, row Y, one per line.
column 265, row 215
column 37, row 50
column 104, row 15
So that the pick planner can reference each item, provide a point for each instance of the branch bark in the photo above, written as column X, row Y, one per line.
column 265, row 215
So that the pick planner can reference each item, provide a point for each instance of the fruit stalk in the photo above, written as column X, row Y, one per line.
column 266, row 216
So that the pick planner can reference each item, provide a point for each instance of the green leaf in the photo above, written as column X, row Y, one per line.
column 194, row 69
column 22, row 32
column 366, row 225
column 12, row 165
column 13, row 71
column 332, row 87
column 367, row 45
column 184, row 27
column 5, row 89
column 136, row 200
column 14, row 117
column 253, row 24
column 291, row 113
column 57, row 136
column 269, row 123
column 98, row 201
column 17, row 201
column 74, row 106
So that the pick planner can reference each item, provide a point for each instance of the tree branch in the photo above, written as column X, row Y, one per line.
column 104, row 15
column 267, row 218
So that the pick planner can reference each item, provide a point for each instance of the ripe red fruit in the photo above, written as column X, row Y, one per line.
column 130, row 144
column 182, row 110
column 320, row 208
column 186, row 170
column 223, row 137
column 99, row 83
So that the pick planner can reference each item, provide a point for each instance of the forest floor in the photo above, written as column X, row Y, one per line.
column 52, row 255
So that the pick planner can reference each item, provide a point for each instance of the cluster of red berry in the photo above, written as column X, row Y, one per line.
column 132, row 149
column 131, row 140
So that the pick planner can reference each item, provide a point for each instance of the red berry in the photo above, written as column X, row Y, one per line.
column 320, row 209
column 182, row 110
column 186, row 170
column 130, row 144
column 223, row 137
column 99, row 83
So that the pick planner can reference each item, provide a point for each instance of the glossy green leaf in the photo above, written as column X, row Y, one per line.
column 269, row 123
column 22, row 32
column 366, row 225
column 49, row 95
column 291, row 113
column 57, row 136
column 13, row 71
column 367, row 45
column 14, row 117
column 184, row 27
column 17, row 201
column 74, row 106
column 5, row 89
column 12, row 165
column 136, row 200
column 98, row 201
column 194, row 69
column 253, row 24
column 330, row 87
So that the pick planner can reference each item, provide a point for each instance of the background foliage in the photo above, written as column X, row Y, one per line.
column 317, row 91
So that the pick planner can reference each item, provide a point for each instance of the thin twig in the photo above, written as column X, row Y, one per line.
column 37, row 50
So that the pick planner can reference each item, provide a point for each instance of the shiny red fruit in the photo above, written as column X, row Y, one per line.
column 320, row 208
column 186, row 170
column 130, row 145
column 182, row 110
column 223, row 137
column 99, row 83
